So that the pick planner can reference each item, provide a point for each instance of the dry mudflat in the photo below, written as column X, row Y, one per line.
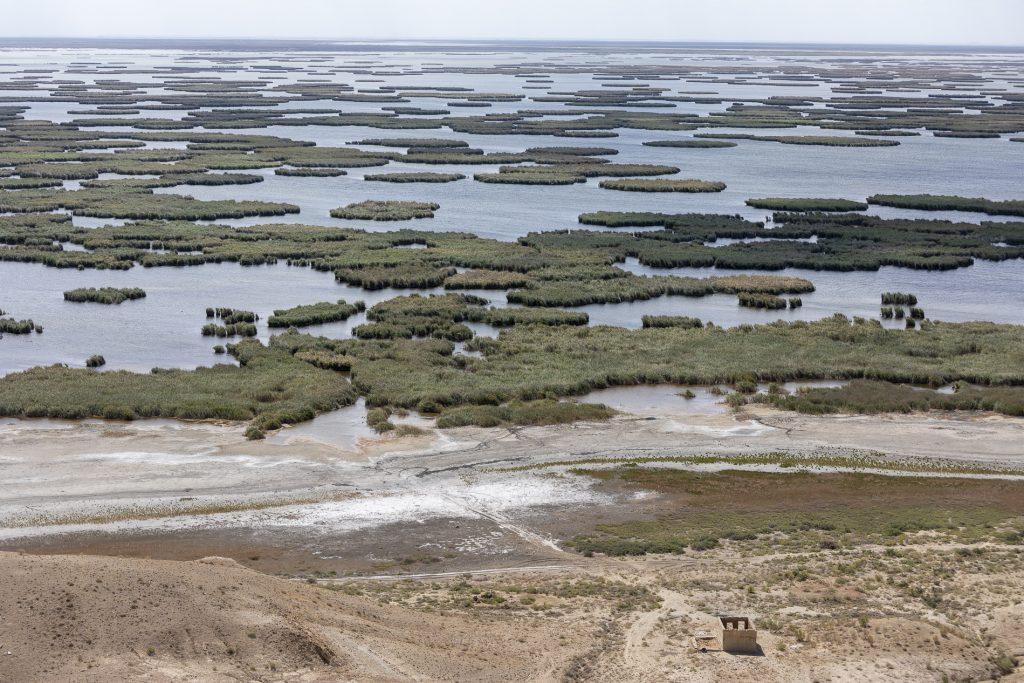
column 443, row 557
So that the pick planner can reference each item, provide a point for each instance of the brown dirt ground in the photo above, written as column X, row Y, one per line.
column 81, row 618
column 92, row 619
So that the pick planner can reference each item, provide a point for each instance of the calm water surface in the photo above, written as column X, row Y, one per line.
column 163, row 329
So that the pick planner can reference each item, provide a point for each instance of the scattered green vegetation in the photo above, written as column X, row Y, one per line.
column 424, row 143
column 683, row 321
column 866, row 396
column 441, row 317
column 821, row 140
column 935, row 202
column 123, row 201
column 662, row 185
column 788, row 204
column 12, row 326
column 104, row 295
column 899, row 299
column 571, row 292
column 269, row 387
column 379, row 210
column 574, row 151
column 799, row 509
column 844, row 241
column 769, row 301
column 380, row 420
column 236, row 323
column 530, row 178
column 28, row 183
column 406, row 275
column 691, row 143
column 314, row 314
column 415, row 177
column 311, row 172
column 527, row 362
column 592, row 169
column 487, row 279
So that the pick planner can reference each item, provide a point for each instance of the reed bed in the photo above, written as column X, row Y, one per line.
column 790, row 204
column 315, row 314
column 933, row 202
column 662, row 185
column 104, row 295
column 386, row 210
column 768, row 301
column 269, row 388
column 414, row 177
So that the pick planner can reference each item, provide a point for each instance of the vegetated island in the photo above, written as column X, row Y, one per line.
column 234, row 322
column 691, row 143
column 527, row 361
column 936, row 202
column 414, row 177
column 819, row 140
column 104, row 295
column 311, row 172
column 315, row 314
column 386, row 210
column 662, row 185
column 807, row 204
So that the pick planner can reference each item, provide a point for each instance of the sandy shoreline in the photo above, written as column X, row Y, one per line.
column 66, row 478
column 103, row 504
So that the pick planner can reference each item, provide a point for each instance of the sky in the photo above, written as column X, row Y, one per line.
column 913, row 22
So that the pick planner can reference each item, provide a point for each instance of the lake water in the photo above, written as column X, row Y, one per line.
column 163, row 329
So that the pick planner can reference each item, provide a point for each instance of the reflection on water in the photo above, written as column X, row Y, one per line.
column 345, row 428
column 673, row 400
column 661, row 400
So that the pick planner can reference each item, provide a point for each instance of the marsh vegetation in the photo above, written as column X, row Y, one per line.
column 789, row 204
column 662, row 185
column 414, row 177
column 233, row 323
column 931, row 202
column 691, row 143
column 269, row 388
column 868, row 396
column 384, row 210
column 104, row 295
column 315, row 314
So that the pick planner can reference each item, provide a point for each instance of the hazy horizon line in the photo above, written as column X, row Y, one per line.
column 513, row 40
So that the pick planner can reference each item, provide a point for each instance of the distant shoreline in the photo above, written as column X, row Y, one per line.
column 448, row 45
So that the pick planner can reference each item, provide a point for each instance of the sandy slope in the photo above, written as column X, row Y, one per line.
column 81, row 618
